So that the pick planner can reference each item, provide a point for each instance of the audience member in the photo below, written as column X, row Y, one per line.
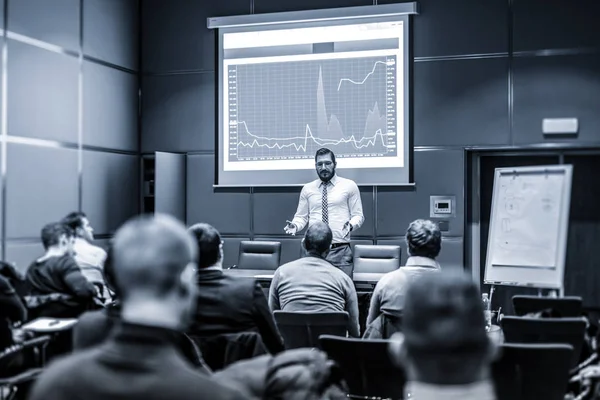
column 89, row 257
column 228, row 304
column 12, row 310
column 154, row 270
column 424, row 240
column 56, row 272
column 444, row 347
column 312, row 283
column 94, row 327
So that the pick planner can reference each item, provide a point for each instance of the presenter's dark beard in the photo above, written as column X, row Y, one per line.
column 326, row 175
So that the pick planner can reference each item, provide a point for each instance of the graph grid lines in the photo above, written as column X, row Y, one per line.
column 287, row 110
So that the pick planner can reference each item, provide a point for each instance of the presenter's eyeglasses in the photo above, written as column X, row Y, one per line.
column 322, row 164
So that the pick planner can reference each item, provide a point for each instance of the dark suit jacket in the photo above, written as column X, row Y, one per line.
column 136, row 362
column 228, row 304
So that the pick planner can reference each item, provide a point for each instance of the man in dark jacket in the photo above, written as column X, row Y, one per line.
column 56, row 272
column 154, row 267
column 228, row 304
column 11, row 310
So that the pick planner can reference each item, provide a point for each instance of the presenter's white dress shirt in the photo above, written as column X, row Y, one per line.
column 344, row 204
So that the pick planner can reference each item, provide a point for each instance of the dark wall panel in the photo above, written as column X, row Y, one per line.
column 555, row 24
column 110, row 108
column 461, row 102
column 23, row 254
column 55, row 22
column 178, row 112
column 451, row 255
column 175, row 36
column 110, row 189
column 42, row 93
column 436, row 173
column 41, row 187
column 556, row 87
column 483, row 27
column 226, row 210
column 110, row 31
column 272, row 207
column 266, row 6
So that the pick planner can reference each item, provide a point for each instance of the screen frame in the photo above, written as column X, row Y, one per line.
column 329, row 17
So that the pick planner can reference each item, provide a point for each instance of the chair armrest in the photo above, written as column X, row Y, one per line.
column 25, row 376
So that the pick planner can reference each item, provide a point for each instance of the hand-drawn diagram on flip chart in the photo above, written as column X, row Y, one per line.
column 528, row 226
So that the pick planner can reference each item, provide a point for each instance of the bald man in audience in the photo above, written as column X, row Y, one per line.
column 154, row 258
column 444, row 347
column 312, row 283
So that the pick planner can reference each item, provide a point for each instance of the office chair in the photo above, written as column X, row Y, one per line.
column 532, row 371
column 366, row 366
column 371, row 262
column 561, row 307
column 546, row 330
column 302, row 329
column 259, row 255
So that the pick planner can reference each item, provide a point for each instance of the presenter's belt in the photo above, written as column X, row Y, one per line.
column 336, row 245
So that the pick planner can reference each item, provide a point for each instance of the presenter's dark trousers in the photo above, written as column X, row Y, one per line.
column 340, row 255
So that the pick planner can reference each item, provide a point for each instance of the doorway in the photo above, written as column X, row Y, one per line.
column 582, row 264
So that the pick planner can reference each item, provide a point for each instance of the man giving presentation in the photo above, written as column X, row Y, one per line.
column 335, row 201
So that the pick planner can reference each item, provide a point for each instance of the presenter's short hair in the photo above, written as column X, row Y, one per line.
column 424, row 238
column 323, row 151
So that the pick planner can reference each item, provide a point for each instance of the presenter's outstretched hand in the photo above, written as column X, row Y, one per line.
column 290, row 228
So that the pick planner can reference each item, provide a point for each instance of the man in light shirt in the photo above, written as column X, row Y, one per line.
column 336, row 202
column 89, row 257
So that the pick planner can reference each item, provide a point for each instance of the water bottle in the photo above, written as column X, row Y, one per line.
column 487, row 311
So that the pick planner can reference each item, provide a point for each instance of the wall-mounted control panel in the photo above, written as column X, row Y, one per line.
column 442, row 206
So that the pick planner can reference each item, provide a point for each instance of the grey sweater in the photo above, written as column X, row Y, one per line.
column 313, row 284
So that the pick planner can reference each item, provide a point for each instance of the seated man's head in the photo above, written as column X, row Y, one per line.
column 317, row 239
column 424, row 239
column 209, row 243
column 153, row 260
column 57, row 238
column 443, row 339
column 80, row 224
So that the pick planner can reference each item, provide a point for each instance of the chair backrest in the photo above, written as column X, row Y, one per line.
column 259, row 255
column 302, row 329
column 532, row 371
column 366, row 366
column 564, row 307
column 376, row 258
column 546, row 330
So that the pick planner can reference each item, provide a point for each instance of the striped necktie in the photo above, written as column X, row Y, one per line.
column 325, row 204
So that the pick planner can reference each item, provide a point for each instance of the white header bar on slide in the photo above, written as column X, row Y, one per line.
column 324, row 34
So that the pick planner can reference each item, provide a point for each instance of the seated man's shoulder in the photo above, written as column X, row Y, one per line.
column 391, row 279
